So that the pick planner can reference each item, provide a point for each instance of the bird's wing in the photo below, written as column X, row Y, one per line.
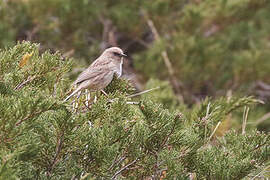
column 96, row 69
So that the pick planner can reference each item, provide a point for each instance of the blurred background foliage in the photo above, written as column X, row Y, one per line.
column 214, row 48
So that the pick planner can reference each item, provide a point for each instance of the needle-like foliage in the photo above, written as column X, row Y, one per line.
column 42, row 138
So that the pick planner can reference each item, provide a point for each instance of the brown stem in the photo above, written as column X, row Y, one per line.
column 57, row 152
column 124, row 168
column 32, row 115
column 22, row 84
column 175, row 83
column 172, row 130
column 28, row 117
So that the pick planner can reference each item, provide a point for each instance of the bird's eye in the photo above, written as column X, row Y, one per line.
column 116, row 54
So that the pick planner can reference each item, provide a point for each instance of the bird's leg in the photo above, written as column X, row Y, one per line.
column 75, row 102
column 95, row 98
column 73, row 105
column 79, row 94
column 88, row 97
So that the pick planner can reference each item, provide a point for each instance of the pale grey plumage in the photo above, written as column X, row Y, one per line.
column 100, row 73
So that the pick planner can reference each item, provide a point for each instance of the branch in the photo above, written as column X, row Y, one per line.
column 259, row 146
column 174, row 81
column 245, row 116
column 58, row 150
column 28, row 117
column 29, row 79
column 172, row 130
column 143, row 92
column 115, row 162
column 33, row 114
column 124, row 168
column 109, row 31
column 214, row 130
column 262, row 119
column 261, row 172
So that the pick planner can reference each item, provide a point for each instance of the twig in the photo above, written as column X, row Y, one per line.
column 265, row 117
column 117, row 162
column 109, row 32
column 263, row 85
column 165, row 57
column 261, row 145
column 87, row 106
column 206, row 117
column 133, row 102
column 30, row 34
column 143, row 92
column 58, row 149
column 28, row 117
column 125, row 167
column 172, row 130
column 261, row 172
column 245, row 115
column 214, row 130
column 29, row 79
column 68, row 53
column 33, row 114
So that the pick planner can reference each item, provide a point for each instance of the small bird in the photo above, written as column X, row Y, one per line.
column 100, row 73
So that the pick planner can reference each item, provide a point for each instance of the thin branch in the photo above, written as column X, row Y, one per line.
column 109, row 33
column 261, row 172
column 33, row 114
column 68, row 53
column 263, row 118
column 117, row 162
column 29, row 79
column 133, row 102
column 206, row 117
column 30, row 116
column 174, row 81
column 245, row 115
column 32, row 33
column 172, row 130
column 143, row 92
column 261, row 145
column 263, row 85
column 214, row 130
column 57, row 152
column 124, row 168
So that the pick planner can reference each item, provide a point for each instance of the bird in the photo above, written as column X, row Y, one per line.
column 100, row 73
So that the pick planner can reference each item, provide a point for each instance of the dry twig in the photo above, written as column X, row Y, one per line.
column 214, row 130
column 124, row 168
column 143, row 92
column 22, row 84
column 245, row 115
column 174, row 81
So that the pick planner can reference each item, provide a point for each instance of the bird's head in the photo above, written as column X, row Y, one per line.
column 114, row 53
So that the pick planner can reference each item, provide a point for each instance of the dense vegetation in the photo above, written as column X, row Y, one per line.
column 191, row 49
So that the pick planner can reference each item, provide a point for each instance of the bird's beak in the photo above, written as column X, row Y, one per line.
column 123, row 55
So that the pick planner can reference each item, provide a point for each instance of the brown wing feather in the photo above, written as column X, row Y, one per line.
column 95, row 69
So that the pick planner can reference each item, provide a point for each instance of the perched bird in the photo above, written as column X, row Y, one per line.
column 100, row 73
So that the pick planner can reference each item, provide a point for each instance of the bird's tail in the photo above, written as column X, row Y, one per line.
column 72, row 94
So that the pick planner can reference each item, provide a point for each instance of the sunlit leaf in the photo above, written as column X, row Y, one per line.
column 25, row 58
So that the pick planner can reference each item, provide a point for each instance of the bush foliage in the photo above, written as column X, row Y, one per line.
column 191, row 50
column 214, row 46
column 42, row 138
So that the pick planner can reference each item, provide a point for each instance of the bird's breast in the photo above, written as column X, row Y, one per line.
column 116, row 66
